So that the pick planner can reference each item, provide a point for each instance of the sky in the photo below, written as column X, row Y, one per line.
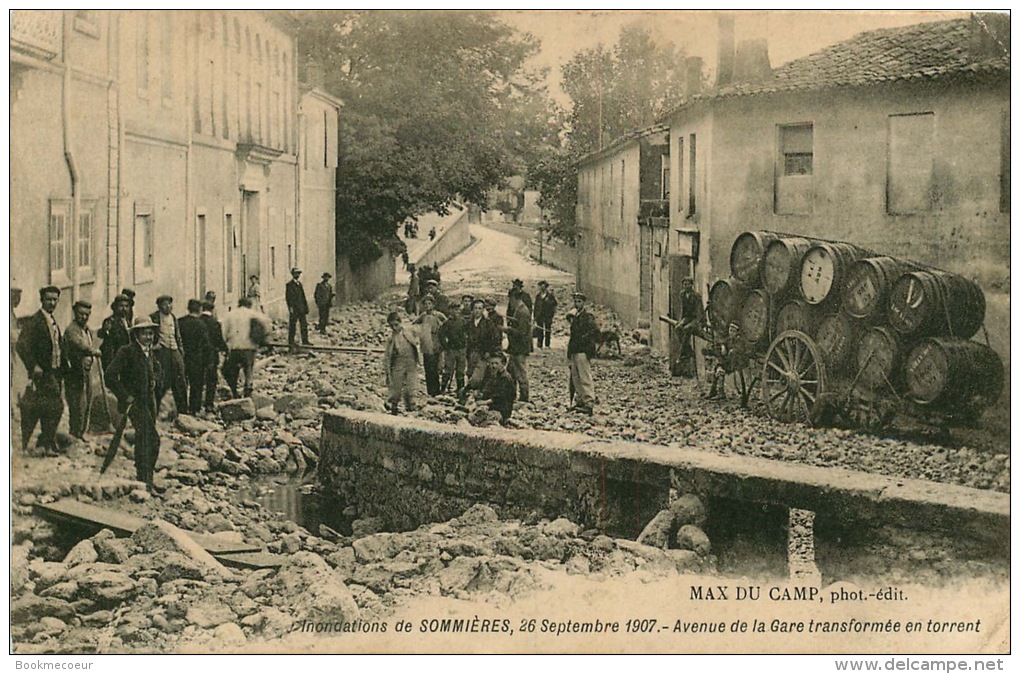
column 790, row 34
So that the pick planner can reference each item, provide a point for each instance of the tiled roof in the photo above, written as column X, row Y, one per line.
column 634, row 135
column 909, row 53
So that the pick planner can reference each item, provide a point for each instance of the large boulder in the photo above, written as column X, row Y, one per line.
column 289, row 402
column 162, row 537
column 19, row 567
column 314, row 591
column 236, row 410
column 194, row 426
column 107, row 588
column 690, row 537
column 689, row 509
column 658, row 532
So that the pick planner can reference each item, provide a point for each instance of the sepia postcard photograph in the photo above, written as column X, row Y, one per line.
column 510, row 332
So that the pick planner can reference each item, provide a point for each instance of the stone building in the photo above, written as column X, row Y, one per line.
column 161, row 150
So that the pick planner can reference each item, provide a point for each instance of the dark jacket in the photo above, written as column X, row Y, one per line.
column 114, row 333
column 35, row 346
column 133, row 374
column 297, row 303
column 197, row 347
column 453, row 333
column 583, row 334
column 545, row 307
column 216, row 341
column 154, row 317
column 692, row 311
column 518, row 334
column 484, row 338
column 324, row 294
column 525, row 297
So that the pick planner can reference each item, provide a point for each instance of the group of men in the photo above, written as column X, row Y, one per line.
column 141, row 358
column 463, row 345
column 297, row 305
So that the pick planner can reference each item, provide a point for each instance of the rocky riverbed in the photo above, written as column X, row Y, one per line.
column 156, row 591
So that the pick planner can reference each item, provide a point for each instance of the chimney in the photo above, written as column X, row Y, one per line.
column 989, row 35
column 694, row 73
column 724, row 67
column 752, row 62
column 314, row 74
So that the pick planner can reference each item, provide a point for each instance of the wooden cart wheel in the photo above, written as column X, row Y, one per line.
column 793, row 378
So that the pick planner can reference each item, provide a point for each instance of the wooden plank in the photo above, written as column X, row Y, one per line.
column 96, row 517
column 251, row 560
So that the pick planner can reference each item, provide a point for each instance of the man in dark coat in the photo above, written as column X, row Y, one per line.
column 453, row 341
column 518, row 338
column 324, row 301
column 39, row 346
column 689, row 324
column 545, row 309
column 134, row 377
column 580, row 350
column 130, row 295
column 197, row 352
column 170, row 350
column 219, row 345
column 116, row 329
column 483, row 339
column 80, row 351
column 297, row 305
column 497, row 386
column 517, row 289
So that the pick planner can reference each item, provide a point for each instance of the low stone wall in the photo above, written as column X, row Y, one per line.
column 452, row 239
column 410, row 472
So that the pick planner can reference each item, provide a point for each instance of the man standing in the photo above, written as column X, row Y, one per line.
column 215, row 331
column 413, row 290
column 130, row 295
column 580, row 351
column 80, row 350
column 170, row 351
column 254, row 292
column 297, row 305
column 39, row 346
column 134, row 377
column 400, row 362
column 483, row 339
column 517, row 289
column 442, row 302
column 545, row 309
column 690, row 320
column 518, row 338
column 237, row 331
column 116, row 329
column 323, row 301
column 429, row 322
column 453, row 342
column 197, row 352
column 210, row 297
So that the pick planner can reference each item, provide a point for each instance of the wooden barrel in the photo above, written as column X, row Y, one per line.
column 878, row 358
column 950, row 372
column 930, row 303
column 747, row 256
column 868, row 284
column 754, row 317
column 798, row 315
column 724, row 300
column 824, row 268
column 781, row 268
column 836, row 338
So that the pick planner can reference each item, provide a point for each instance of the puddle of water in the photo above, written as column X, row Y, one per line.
column 298, row 498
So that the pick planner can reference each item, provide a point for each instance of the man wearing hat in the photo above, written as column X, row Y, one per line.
column 545, row 309
column 441, row 300
column 115, row 330
column 297, row 305
column 198, row 351
column 130, row 295
column 580, row 351
column 80, row 349
column 324, row 301
column 40, row 348
column 169, row 347
column 135, row 377
column 517, row 288
column 219, row 345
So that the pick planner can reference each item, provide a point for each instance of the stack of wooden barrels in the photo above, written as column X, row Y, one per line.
column 881, row 323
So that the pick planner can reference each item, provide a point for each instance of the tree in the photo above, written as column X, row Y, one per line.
column 439, row 107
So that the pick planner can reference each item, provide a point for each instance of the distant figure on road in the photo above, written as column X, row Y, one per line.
column 545, row 309
column 324, row 300
column 405, row 259
column 400, row 362
column 580, row 351
column 432, row 234
column 297, row 304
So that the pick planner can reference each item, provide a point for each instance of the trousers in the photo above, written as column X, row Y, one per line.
column 402, row 382
column 455, row 367
column 580, row 377
column 78, row 390
column 431, row 361
column 172, row 362
column 517, row 367
column 239, row 362
column 143, row 419
column 42, row 405
column 292, row 325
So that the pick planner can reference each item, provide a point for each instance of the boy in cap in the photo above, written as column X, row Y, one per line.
column 135, row 377
column 80, row 351
column 400, row 362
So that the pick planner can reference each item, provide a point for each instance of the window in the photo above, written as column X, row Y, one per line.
column 794, row 184
column 166, row 74
column 1004, row 163
column 60, row 215
column 86, row 233
column 692, row 196
column 142, row 60
column 910, row 163
column 664, row 177
column 144, row 236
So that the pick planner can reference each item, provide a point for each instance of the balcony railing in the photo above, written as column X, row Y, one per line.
column 37, row 32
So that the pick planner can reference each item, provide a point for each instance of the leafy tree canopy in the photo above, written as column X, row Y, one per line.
column 439, row 107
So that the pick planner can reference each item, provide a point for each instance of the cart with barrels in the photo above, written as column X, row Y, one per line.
column 841, row 334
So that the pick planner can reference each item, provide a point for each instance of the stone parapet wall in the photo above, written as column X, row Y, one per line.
column 410, row 471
